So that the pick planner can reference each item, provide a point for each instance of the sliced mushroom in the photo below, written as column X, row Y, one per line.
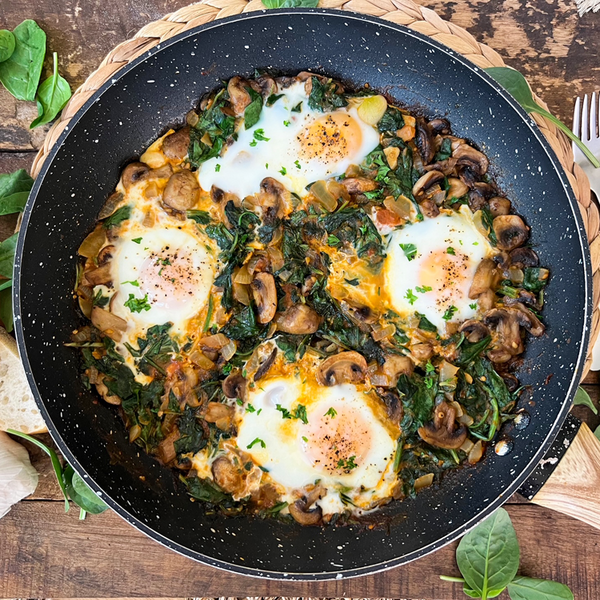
column 524, row 257
column 499, row 206
column 298, row 319
column 510, row 231
column 429, row 208
column 267, row 85
column 439, row 126
column 175, row 146
column 266, row 365
column 234, row 386
column 484, row 279
column 424, row 141
column 361, row 314
column 238, row 95
column 528, row 320
column 476, row 201
column 99, row 276
column 182, row 191
column 345, row 367
column 421, row 352
column 359, row 185
column 133, row 173
column 393, row 405
column 507, row 323
column 272, row 199
column 105, row 254
column 443, row 431
column 112, row 325
column 113, row 202
column 265, row 296
column 226, row 475
column 467, row 157
column 396, row 365
column 305, row 515
column 219, row 414
column 426, row 181
column 474, row 330
column 456, row 188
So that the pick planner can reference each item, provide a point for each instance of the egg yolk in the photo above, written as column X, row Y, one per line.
column 330, row 138
column 336, row 444
column 169, row 278
column 443, row 274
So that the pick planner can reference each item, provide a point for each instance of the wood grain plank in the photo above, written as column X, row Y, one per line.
column 105, row 557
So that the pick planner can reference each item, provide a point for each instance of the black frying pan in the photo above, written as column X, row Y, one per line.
column 138, row 105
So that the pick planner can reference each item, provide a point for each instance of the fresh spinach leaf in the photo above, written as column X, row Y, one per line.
column 526, row 588
column 7, row 255
column 7, row 44
column 517, row 86
column 12, row 183
column 20, row 74
column 488, row 556
column 6, row 310
column 51, row 97
column 583, row 398
column 253, row 110
column 290, row 3
column 82, row 494
column 14, row 203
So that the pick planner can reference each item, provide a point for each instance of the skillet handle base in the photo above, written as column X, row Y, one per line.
column 574, row 486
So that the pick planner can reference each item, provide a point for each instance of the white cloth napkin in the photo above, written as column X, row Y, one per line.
column 584, row 6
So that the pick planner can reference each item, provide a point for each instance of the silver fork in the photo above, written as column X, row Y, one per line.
column 585, row 127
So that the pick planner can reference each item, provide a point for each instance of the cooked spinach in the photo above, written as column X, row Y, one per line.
column 120, row 215
column 535, row 279
column 191, row 433
column 253, row 110
column 325, row 96
column 392, row 120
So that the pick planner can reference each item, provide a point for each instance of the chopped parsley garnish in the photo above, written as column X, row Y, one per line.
column 283, row 171
column 473, row 305
column 285, row 413
column 217, row 168
column 250, row 408
column 450, row 250
column 333, row 240
column 256, row 441
column 430, row 377
column 331, row 413
column 410, row 251
column 424, row 289
column 298, row 165
column 354, row 281
column 298, row 107
column 449, row 313
column 298, row 413
column 348, row 464
column 136, row 305
column 133, row 283
column 99, row 299
column 475, row 243
column 239, row 402
column 162, row 261
column 411, row 297
column 253, row 143
column 287, row 123
column 305, row 438
column 137, row 240
column 259, row 135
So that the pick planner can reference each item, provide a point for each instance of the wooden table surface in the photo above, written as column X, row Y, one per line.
column 47, row 554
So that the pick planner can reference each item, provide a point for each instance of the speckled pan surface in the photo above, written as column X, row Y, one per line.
column 139, row 104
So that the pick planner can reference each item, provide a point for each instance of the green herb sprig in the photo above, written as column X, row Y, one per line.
column 517, row 86
column 488, row 559
column 71, row 484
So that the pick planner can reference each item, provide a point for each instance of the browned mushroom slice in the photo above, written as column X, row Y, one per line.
column 266, row 365
column 529, row 321
column 396, row 365
column 467, row 157
column 499, row 206
column 219, row 414
column 112, row 325
column 524, row 257
column 393, row 405
column 305, row 515
column 424, row 141
column 99, row 276
column 113, row 202
column 271, row 198
column 421, row 352
column 105, row 254
column 175, row 146
column 507, row 325
column 298, row 319
column 182, row 191
column 234, row 386
column 511, row 232
column 474, row 330
column 359, row 185
column 345, row 367
column 456, row 188
column 429, row 208
column 439, row 126
column 238, row 95
column 484, row 279
column 425, row 182
column 133, row 173
column 265, row 296
column 227, row 476
column 443, row 431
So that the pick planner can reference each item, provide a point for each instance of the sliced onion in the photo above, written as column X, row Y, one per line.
column 93, row 242
column 229, row 350
column 151, row 191
column 423, row 481
column 447, row 371
column 516, row 275
column 242, row 276
column 276, row 257
column 466, row 419
column 323, row 195
column 214, row 342
column 372, row 109
column 476, row 453
column 458, row 408
column 467, row 446
column 240, row 293
column 380, row 379
column 153, row 159
column 201, row 360
column 113, row 202
column 383, row 332
column 337, row 190
column 401, row 206
column 134, row 433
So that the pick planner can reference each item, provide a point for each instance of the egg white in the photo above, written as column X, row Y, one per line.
column 287, row 156
column 448, row 275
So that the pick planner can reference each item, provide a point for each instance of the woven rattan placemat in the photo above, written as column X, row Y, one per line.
column 404, row 12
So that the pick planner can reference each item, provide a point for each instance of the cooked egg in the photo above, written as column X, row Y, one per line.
column 430, row 267
column 340, row 440
column 162, row 275
column 293, row 144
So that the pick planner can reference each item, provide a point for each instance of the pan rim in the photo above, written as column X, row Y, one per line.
column 343, row 573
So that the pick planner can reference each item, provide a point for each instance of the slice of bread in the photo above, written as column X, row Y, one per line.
column 18, row 409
